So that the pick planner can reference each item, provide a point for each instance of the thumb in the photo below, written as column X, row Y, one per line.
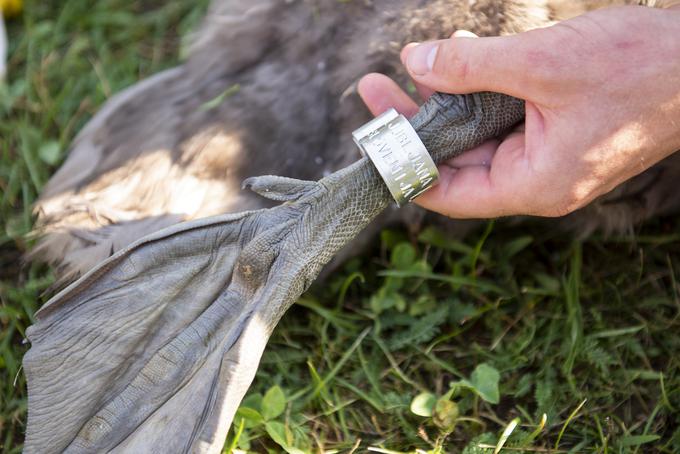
column 507, row 64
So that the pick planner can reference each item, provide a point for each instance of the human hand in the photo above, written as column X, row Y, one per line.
column 602, row 98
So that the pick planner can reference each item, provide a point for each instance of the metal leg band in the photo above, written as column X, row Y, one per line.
column 398, row 154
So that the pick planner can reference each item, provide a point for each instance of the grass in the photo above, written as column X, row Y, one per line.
column 66, row 59
column 518, row 339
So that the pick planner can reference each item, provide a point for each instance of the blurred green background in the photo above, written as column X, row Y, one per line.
column 521, row 337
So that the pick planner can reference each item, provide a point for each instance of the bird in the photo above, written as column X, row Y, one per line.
column 269, row 87
column 154, row 347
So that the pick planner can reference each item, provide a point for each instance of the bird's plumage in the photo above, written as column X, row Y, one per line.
column 268, row 88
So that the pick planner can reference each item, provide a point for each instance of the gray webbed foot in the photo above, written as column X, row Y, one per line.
column 280, row 189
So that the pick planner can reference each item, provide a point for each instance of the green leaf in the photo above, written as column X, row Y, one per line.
column 637, row 440
column 515, row 246
column 548, row 283
column 403, row 255
column 244, row 442
column 618, row 332
column 385, row 299
column 485, row 380
column 422, row 330
column 425, row 304
column 251, row 417
column 293, row 450
column 50, row 152
column 423, row 404
column 435, row 237
column 390, row 238
column 252, row 401
column 277, row 432
column 480, row 444
column 273, row 403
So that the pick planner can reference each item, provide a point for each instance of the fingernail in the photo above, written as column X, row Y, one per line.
column 421, row 58
column 464, row 34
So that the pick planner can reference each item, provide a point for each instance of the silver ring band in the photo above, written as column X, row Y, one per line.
column 398, row 154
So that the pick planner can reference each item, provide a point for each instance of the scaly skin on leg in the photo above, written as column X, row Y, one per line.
column 153, row 349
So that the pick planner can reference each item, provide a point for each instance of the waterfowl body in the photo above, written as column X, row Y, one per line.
column 153, row 349
column 269, row 89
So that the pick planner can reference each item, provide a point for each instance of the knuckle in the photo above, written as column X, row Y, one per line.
column 453, row 63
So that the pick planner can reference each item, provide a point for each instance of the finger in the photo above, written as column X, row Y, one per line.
column 465, row 193
column 513, row 141
column 381, row 93
column 462, row 193
column 480, row 191
column 459, row 34
column 478, row 156
column 423, row 91
column 505, row 64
